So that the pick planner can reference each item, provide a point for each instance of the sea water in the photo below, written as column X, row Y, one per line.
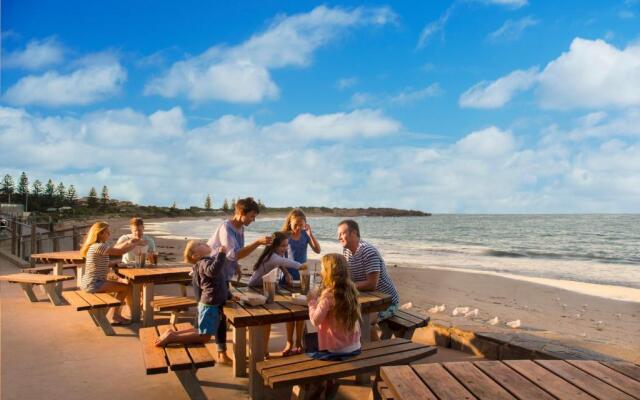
column 565, row 249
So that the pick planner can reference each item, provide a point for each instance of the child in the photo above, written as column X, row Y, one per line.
column 211, row 291
column 96, row 251
column 300, row 236
column 272, row 257
column 335, row 312
column 230, row 234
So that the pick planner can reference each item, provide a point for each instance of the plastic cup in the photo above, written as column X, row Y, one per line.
column 305, row 282
column 140, row 260
column 269, row 290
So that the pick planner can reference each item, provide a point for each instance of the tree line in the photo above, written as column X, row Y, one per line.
column 39, row 197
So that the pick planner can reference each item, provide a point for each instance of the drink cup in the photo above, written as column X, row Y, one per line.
column 305, row 281
column 269, row 290
column 140, row 260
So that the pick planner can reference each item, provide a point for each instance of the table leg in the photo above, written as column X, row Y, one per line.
column 27, row 288
column 365, row 337
column 79, row 275
column 147, row 298
column 191, row 384
column 135, row 300
column 52, row 293
column 58, row 270
column 240, row 351
column 256, row 354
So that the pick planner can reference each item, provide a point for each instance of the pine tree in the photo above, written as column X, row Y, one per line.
column 261, row 205
column 36, row 188
column 232, row 205
column 23, row 187
column 104, row 197
column 174, row 207
column 71, row 195
column 207, row 203
column 225, row 205
column 61, row 194
column 92, row 199
column 50, row 193
column 7, row 187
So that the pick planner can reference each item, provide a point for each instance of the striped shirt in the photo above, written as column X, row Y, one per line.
column 367, row 260
column 96, row 267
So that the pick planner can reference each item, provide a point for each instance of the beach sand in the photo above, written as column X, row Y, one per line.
column 596, row 323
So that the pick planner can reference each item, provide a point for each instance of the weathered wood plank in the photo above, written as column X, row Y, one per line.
column 443, row 385
column 405, row 384
column 476, row 382
column 548, row 381
column 176, row 353
column 153, row 356
column 509, row 379
column 612, row 377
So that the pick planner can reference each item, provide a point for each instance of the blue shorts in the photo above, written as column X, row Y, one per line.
column 382, row 315
column 208, row 319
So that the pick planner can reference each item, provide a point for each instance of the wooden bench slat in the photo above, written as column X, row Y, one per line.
column 92, row 298
column 153, row 356
column 45, row 269
column 547, row 380
column 509, row 379
column 35, row 279
column 199, row 353
column 629, row 369
column 612, row 377
column 584, row 381
column 416, row 319
column 407, row 385
column 310, row 364
column 351, row 367
column 108, row 299
column 74, row 299
column 445, row 386
column 173, row 303
column 476, row 382
column 384, row 392
column 176, row 353
column 304, row 358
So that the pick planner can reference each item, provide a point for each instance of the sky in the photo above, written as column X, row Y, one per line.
column 464, row 106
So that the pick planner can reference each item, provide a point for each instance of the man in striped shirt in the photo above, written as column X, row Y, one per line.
column 366, row 267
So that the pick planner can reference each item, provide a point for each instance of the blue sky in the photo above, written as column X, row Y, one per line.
column 445, row 106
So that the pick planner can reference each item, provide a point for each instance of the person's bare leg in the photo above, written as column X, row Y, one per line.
column 289, row 345
column 299, row 331
column 267, row 334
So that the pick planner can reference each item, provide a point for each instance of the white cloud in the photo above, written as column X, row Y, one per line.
column 591, row 74
column 332, row 159
column 512, row 30
column 240, row 74
column 402, row 98
column 345, row 83
column 497, row 93
column 435, row 27
column 91, row 82
column 410, row 95
column 507, row 3
column 36, row 55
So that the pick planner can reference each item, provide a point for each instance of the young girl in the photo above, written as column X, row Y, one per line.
column 211, row 290
column 272, row 257
column 300, row 236
column 96, row 252
column 335, row 312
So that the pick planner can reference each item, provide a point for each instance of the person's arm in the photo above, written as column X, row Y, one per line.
column 319, row 308
column 373, row 267
column 313, row 242
column 369, row 284
column 215, row 268
column 246, row 250
column 120, row 248
column 278, row 260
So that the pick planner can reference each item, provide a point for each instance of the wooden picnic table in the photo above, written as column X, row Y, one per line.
column 146, row 278
column 59, row 258
column 283, row 309
column 514, row 379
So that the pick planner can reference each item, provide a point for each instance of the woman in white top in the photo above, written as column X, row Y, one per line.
column 96, row 252
column 273, row 257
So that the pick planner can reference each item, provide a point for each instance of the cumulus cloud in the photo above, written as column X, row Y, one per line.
column 36, row 55
column 410, row 95
column 512, row 29
column 95, row 79
column 241, row 74
column 499, row 92
column 345, row 83
column 592, row 74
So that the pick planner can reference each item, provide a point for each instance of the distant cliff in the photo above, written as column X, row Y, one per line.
column 351, row 212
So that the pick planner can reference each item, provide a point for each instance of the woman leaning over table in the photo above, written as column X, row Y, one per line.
column 96, row 252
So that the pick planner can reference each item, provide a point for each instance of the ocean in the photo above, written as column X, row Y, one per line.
column 560, row 250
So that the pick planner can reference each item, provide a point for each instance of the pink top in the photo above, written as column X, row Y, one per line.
column 331, row 335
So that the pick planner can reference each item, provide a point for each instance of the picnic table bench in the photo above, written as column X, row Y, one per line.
column 173, row 305
column 402, row 324
column 97, row 304
column 48, row 282
column 47, row 269
column 183, row 360
column 514, row 379
column 280, row 375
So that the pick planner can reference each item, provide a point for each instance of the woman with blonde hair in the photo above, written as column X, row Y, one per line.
column 300, row 236
column 334, row 311
column 96, row 252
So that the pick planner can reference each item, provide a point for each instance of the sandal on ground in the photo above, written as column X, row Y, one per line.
column 287, row 353
column 296, row 351
column 121, row 322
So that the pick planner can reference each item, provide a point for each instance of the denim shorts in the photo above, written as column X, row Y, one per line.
column 208, row 319
column 388, row 313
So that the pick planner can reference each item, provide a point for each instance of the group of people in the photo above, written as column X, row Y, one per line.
column 333, row 308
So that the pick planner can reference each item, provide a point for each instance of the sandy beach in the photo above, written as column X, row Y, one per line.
column 596, row 323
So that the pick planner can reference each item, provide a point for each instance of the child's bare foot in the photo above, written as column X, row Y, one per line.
column 165, row 338
column 223, row 358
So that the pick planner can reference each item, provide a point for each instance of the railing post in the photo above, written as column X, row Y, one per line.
column 74, row 235
column 56, row 242
column 34, row 238
column 13, row 236
column 19, row 249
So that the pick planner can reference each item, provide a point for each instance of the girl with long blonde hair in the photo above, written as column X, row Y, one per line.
column 300, row 237
column 96, row 252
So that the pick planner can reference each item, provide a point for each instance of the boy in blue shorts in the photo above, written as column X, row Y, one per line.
column 211, row 291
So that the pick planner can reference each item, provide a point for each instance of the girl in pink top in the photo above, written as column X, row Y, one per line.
column 335, row 312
